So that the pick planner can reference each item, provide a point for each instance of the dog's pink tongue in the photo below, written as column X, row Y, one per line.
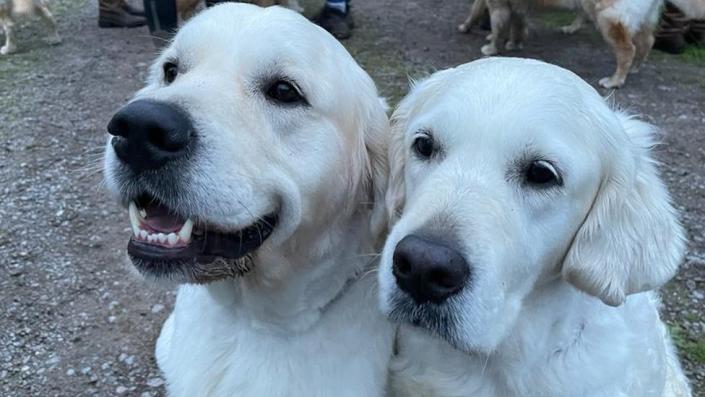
column 159, row 219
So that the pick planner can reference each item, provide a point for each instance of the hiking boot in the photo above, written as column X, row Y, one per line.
column 338, row 23
column 670, row 40
column 670, row 36
column 696, row 33
column 111, row 14
column 132, row 10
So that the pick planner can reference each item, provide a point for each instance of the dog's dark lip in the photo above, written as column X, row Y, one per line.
column 206, row 246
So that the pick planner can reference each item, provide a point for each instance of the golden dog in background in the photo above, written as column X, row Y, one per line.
column 12, row 10
column 626, row 25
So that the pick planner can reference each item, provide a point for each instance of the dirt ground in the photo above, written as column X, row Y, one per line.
column 75, row 321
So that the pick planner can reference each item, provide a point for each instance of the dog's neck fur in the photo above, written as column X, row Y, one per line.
column 315, row 277
column 316, row 333
column 582, row 347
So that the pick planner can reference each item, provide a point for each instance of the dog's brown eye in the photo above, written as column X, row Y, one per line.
column 171, row 70
column 284, row 92
column 424, row 146
column 543, row 173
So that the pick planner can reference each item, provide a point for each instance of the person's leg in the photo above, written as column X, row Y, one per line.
column 111, row 14
column 335, row 18
column 161, row 18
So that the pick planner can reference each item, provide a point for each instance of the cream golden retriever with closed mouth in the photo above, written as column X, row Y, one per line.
column 252, row 166
column 533, row 229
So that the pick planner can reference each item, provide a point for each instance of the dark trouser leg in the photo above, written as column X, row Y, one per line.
column 161, row 18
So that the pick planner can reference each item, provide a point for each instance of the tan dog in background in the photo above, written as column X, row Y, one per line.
column 626, row 25
column 187, row 7
column 12, row 10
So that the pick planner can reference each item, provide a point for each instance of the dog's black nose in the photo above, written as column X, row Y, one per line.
column 148, row 134
column 429, row 271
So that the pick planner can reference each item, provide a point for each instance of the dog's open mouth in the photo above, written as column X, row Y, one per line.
column 164, row 243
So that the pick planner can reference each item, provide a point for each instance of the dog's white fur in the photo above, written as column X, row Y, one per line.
column 626, row 25
column 558, row 302
column 13, row 10
column 304, row 321
column 187, row 8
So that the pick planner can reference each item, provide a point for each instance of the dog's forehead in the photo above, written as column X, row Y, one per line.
column 503, row 98
column 239, row 29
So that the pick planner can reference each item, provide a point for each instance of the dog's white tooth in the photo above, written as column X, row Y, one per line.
column 185, row 232
column 134, row 218
column 143, row 234
column 152, row 238
column 172, row 238
column 161, row 237
column 143, row 213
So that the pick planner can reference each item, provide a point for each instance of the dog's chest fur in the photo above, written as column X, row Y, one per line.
column 205, row 350
column 581, row 348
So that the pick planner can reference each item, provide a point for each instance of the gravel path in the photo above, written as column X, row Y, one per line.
column 75, row 321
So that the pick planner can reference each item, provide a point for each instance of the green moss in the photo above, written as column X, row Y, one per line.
column 557, row 18
column 693, row 348
column 693, row 54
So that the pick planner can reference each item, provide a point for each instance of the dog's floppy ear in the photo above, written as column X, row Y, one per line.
column 376, row 135
column 396, row 188
column 631, row 240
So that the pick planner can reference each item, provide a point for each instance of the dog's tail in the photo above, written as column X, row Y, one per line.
column 22, row 7
column 693, row 9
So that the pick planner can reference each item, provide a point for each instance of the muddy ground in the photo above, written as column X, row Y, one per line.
column 74, row 321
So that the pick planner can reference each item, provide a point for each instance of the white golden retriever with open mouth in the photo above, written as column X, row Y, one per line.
column 253, row 167
column 533, row 224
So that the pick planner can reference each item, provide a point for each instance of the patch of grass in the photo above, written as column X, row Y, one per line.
column 693, row 54
column 386, row 67
column 557, row 18
column 693, row 348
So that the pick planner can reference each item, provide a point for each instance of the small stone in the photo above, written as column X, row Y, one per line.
column 121, row 390
column 146, row 394
column 129, row 360
column 52, row 361
column 71, row 372
column 698, row 295
column 690, row 284
column 155, row 382
column 698, row 264
column 157, row 308
column 85, row 370
column 105, row 366
column 122, row 357
column 112, row 319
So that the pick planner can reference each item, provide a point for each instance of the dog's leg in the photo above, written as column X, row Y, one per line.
column 9, row 46
column 576, row 25
column 643, row 40
column 43, row 11
column 617, row 36
column 476, row 11
column 499, row 18
column 517, row 33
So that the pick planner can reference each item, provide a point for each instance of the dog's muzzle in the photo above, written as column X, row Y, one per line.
column 153, row 141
